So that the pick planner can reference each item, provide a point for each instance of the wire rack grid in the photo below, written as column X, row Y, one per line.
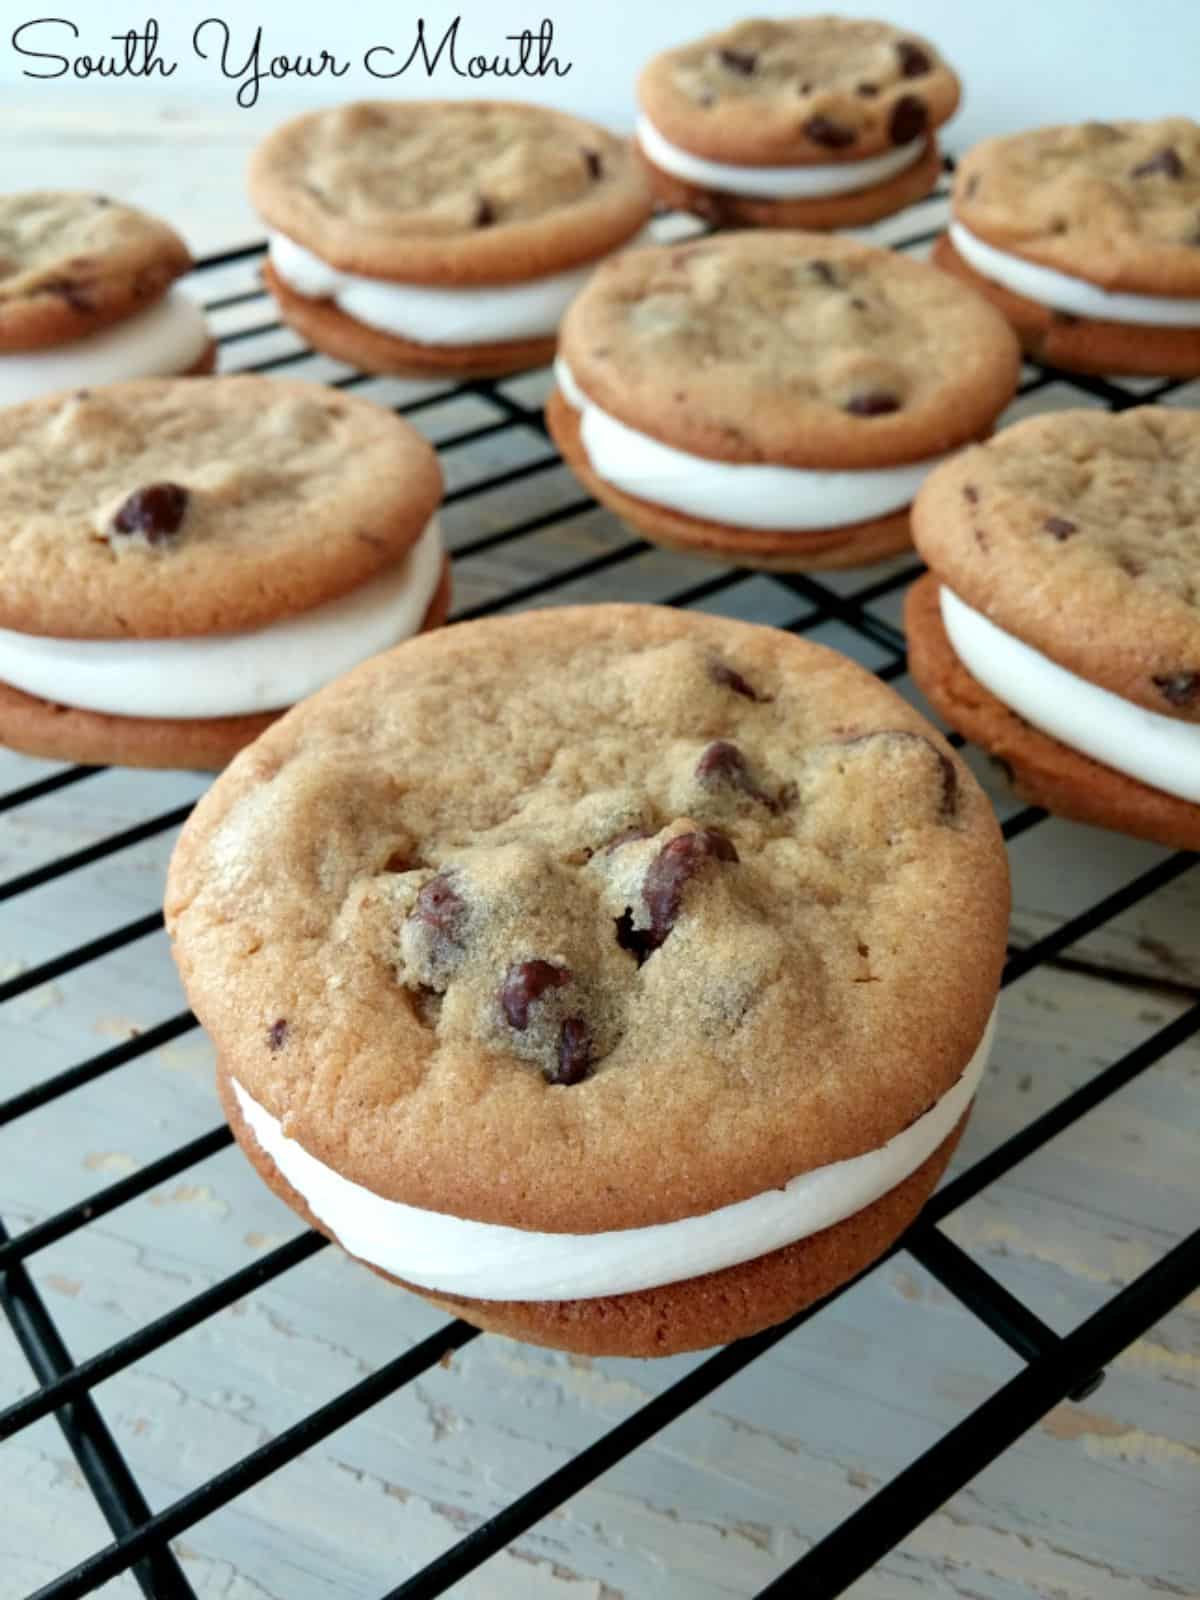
column 555, row 548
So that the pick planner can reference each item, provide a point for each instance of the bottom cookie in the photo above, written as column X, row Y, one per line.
column 857, row 545
column 693, row 1315
column 65, row 733
column 331, row 331
column 1081, row 344
column 853, row 210
column 1045, row 772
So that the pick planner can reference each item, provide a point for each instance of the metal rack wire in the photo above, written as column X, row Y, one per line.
column 1054, row 1367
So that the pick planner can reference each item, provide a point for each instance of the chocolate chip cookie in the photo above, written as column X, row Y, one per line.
column 625, row 999
column 1058, row 627
column 774, row 399
column 182, row 558
column 431, row 237
column 86, row 296
column 1087, row 238
column 809, row 122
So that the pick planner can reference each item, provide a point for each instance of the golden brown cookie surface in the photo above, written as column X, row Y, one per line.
column 1115, row 203
column 449, row 191
column 183, row 506
column 71, row 263
column 1079, row 533
column 593, row 918
column 790, row 348
column 802, row 90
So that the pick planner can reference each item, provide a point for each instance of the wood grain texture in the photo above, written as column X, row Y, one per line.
column 1098, row 1501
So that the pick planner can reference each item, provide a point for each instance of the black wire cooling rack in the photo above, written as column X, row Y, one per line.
column 1054, row 1367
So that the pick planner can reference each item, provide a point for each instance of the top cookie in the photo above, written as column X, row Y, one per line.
column 810, row 90
column 72, row 263
column 185, row 506
column 1116, row 203
column 653, row 913
column 793, row 348
column 449, row 191
column 1079, row 532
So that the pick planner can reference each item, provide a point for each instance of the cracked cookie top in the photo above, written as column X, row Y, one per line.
column 1079, row 532
column 1116, row 203
column 593, row 918
column 449, row 191
column 71, row 263
column 790, row 348
column 169, row 507
column 796, row 92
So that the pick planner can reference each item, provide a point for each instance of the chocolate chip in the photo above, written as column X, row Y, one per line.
column 872, row 403
column 441, row 909
column 725, row 675
column 971, row 187
column 830, row 135
column 593, row 163
column 485, row 212
column 101, row 200
column 858, row 302
column 722, row 763
column 1165, row 161
column 909, row 118
column 525, row 983
column 277, row 1034
column 970, row 494
column 674, row 866
column 823, row 272
column 155, row 512
column 574, row 1053
column 867, row 90
column 743, row 62
column 1178, row 688
column 981, row 539
column 1060, row 527
column 914, row 62
column 1130, row 565
column 637, row 941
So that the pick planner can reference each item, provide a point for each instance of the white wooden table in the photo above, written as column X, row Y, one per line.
column 1099, row 1500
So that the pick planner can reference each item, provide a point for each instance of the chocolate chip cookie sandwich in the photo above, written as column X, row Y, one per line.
column 812, row 122
column 1058, row 625
column 1087, row 238
column 180, row 558
column 440, row 237
column 774, row 399
column 629, row 1007
column 87, row 296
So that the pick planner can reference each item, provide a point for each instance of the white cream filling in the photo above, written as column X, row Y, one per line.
column 230, row 674
column 429, row 315
column 166, row 338
column 775, row 183
column 488, row 1262
column 1062, row 292
column 1161, row 751
column 777, row 499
